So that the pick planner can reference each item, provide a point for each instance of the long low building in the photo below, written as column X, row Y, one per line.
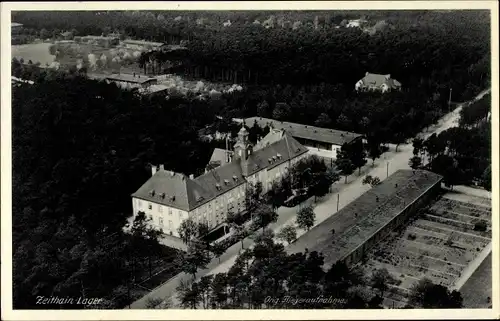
column 324, row 142
column 347, row 235
column 131, row 81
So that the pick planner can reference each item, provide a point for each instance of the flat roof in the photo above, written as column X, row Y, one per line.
column 129, row 78
column 143, row 42
column 319, row 134
column 358, row 221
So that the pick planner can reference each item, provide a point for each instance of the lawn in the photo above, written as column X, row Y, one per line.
column 36, row 52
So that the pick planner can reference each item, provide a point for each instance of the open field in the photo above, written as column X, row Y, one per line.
column 36, row 52
column 438, row 245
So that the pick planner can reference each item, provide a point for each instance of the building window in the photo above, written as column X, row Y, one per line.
column 139, row 203
column 150, row 206
column 160, row 221
column 170, row 225
column 169, row 211
column 160, row 208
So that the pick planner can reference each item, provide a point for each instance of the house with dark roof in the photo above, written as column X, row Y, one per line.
column 169, row 198
column 324, row 142
column 377, row 82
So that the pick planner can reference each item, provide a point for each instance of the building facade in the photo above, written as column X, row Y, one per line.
column 169, row 198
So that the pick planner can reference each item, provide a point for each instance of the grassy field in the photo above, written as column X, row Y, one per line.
column 478, row 288
column 36, row 52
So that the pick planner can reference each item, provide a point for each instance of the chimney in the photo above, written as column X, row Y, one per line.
column 388, row 76
column 366, row 74
column 162, row 168
column 191, row 176
column 153, row 170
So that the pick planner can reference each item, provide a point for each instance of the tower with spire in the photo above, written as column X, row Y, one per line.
column 242, row 148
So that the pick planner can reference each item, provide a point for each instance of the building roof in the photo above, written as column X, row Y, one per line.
column 129, row 78
column 273, row 136
column 219, row 157
column 324, row 135
column 192, row 193
column 358, row 221
column 171, row 184
column 273, row 154
column 109, row 37
column 378, row 80
column 142, row 43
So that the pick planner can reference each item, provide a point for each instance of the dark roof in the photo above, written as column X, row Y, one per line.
column 267, row 156
column 324, row 135
column 378, row 80
column 170, row 183
column 216, row 182
column 394, row 193
column 191, row 193
column 129, row 78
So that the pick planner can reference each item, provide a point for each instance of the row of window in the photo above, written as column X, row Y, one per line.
column 160, row 208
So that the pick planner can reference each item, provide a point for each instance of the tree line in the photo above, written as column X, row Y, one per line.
column 266, row 277
column 461, row 154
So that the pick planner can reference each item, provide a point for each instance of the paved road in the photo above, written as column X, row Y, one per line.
column 388, row 164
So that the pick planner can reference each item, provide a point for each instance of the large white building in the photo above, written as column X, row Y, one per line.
column 169, row 198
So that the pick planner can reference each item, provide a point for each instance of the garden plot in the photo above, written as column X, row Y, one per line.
column 438, row 245
column 462, row 211
column 468, row 200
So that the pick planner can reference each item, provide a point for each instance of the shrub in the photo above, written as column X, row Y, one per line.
column 412, row 236
column 480, row 226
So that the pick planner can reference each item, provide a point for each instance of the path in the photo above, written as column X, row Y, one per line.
column 389, row 163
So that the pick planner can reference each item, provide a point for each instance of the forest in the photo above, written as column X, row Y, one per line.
column 81, row 147
column 75, row 164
